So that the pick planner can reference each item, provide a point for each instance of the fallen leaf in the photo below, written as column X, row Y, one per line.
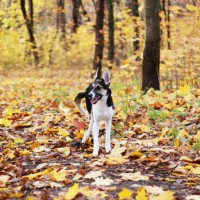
column 5, row 122
column 167, row 195
column 93, row 193
column 37, row 175
column 19, row 140
column 64, row 150
column 125, row 194
column 141, row 194
column 193, row 197
column 133, row 176
column 103, row 182
column 116, row 161
column 155, row 190
column 3, row 180
column 93, row 174
column 41, row 149
column 59, row 175
column 117, row 151
column 72, row 192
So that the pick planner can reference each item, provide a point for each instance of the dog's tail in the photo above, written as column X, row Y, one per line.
column 77, row 102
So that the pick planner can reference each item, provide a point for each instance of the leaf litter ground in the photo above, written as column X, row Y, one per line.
column 155, row 140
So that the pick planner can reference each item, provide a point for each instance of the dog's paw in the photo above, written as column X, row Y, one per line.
column 108, row 149
column 95, row 153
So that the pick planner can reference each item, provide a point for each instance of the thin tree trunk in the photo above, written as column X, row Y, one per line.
column 133, row 6
column 111, row 32
column 76, row 14
column 98, row 56
column 151, row 55
column 29, row 24
column 168, row 26
column 162, row 8
column 135, row 13
column 61, row 22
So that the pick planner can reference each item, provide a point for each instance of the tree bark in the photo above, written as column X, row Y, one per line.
column 29, row 24
column 133, row 6
column 151, row 54
column 111, row 32
column 168, row 26
column 61, row 18
column 98, row 56
column 76, row 14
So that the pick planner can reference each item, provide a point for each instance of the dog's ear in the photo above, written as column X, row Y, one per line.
column 96, row 74
column 106, row 77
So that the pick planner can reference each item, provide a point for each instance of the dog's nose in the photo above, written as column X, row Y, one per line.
column 90, row 96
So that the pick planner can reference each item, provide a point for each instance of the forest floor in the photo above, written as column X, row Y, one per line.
column 155, row 141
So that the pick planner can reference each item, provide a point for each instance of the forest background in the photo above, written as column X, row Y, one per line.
column 47, row 56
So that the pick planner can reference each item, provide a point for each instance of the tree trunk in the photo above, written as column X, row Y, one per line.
column 133, row 5
column 29, row 24
column 151, row 54
column 98, row 56
column 76, row 14
column 168, row 25
column 61, row 18
column 110, row 33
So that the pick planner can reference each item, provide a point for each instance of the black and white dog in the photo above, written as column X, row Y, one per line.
column 100, row 107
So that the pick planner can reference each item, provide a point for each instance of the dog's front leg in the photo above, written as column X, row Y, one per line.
column 87, row 134
column 108, row 131
column 95, row 131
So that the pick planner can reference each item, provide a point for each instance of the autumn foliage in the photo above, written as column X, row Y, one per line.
column 155, row 136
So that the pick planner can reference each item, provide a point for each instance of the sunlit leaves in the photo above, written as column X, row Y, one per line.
column 125, row 194
column 72, row 192
column 141, row 194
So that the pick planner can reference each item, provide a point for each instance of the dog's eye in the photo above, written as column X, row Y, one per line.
column 98, row 87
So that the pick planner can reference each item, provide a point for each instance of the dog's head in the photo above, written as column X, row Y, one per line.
column 100, row 87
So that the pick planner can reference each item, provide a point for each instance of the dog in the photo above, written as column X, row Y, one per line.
column 100, row 107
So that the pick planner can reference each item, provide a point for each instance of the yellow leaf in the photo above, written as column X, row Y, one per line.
column 115, row 161
column 8, row 112
column 5, row 122
column 64, row 150
column 117, row 151
column 24, row 152
column 134, row 176
column 41, row 149
column 125, row 194
column 135, row 154
column 192, row 8
column 183, row 133
column 3, row 180
column 196, row 170
column 93, row 193
column 31, row 198
column 59, row 175
column 175, row 8
column 63, row 132
column 176, row 142
column 184, row 90
column 37, row 175
column 167, row 195
column 72, row 192
column 19, row 140
column 141, row 194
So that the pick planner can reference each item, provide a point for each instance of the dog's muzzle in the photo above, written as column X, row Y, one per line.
column 94, row 97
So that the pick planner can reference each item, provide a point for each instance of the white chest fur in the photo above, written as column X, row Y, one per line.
column 100, row 110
